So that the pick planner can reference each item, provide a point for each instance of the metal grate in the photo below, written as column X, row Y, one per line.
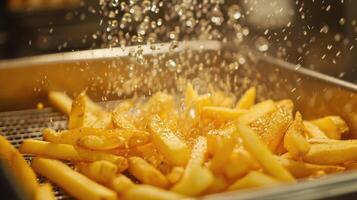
column 19, row 125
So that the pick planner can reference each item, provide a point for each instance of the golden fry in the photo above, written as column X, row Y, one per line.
column 247, row 100
column 44, row 192
column 175, row 175
column 172, row 147
column 314, row 131
column 252, row 180
column 257, row 111
column 61, row 101
column 121, row 184
column 261, row 152
column 101, row 171
column 221, row 113
column 332, row 126
column 71, row 181
column 146, row 173
column 148, row 192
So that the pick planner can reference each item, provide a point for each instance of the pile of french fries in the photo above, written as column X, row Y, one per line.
column 175, row 147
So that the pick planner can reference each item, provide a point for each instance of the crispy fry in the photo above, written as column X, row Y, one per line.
column 222, row 99
column 101, row 171
column 85, row 113
column 332, row 126
column 44, row 192
column 247, row 100
column 146, row 173
column 252, row 180
column 148, row 192
column 61, row 101
column 119, row 116
column 314, row 131
column 6, row 149
column 71, row 181
column 172, row 147
column 294, row 140
column 240, row 163
column 175, row 175
column 260, row 151
column 68, row 152
column 257, row 111
column 221, row 113
column 121, row 184
column 332, row 153
column 300, row 169
column 101, row 142
column 131, row 138
column 196, row 178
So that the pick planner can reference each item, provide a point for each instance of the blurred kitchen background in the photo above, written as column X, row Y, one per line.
column 317, row 34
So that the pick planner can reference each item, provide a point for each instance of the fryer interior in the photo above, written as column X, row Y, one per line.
column 114, row 78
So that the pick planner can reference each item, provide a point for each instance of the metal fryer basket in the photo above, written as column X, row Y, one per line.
column 314, row 95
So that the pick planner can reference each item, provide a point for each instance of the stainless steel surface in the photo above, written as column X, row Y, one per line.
column 314, row 95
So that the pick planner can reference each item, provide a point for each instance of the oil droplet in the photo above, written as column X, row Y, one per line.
column 262, row 44
column 171, row 65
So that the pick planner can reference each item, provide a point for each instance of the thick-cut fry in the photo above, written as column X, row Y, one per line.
column 146, row 173
column 260, row 151
column 247, row 100
column 222, row 155
column 219, row 184
column 44, row 192
column 332, row 126
column 71, row 181
column 252, row 180
column 130, row 138
column 272, row 126
column 24, row 174
column 85, row 113
column 102, row 142
column 101, row 171
column 175, row 175
column 196, row 178
column 332, row 153
column 240, row 162
column 314, row 131
column 294, row 140
column 300, row 169
column 221, row 113
column 148, row 192
column 121, row 184
column 257, row 111
column 68, row 152
column 172, row 147
column 61, row 101
column 6, row 149
column 119, row 116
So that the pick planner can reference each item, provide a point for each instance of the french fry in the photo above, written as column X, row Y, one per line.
column 222, row 155
column 262, row 154
column 252, row 180
column 85, row 113
column 257, row 111
column 240, row 163
column 44, row 192
column 121, row 184
column 119, row 116
column 131, row 138
column 102, row 142
column 166, row 141
column 272, row 126
column 221, row 99
column 68, row 152
column 314, row 131
column 146, row 173
column 148, row 192
column 175, row 175
column 333, row 153
column 71, row 181
column 6, row 149
column 24, row 174
column 221, row 113
column 247, row 100
column 219, row 184
column 300, row 169
column 101, row 171
column 190, row 95
column 61, row 101
column 196, row 178
column 294, row 140
column 332, row 126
